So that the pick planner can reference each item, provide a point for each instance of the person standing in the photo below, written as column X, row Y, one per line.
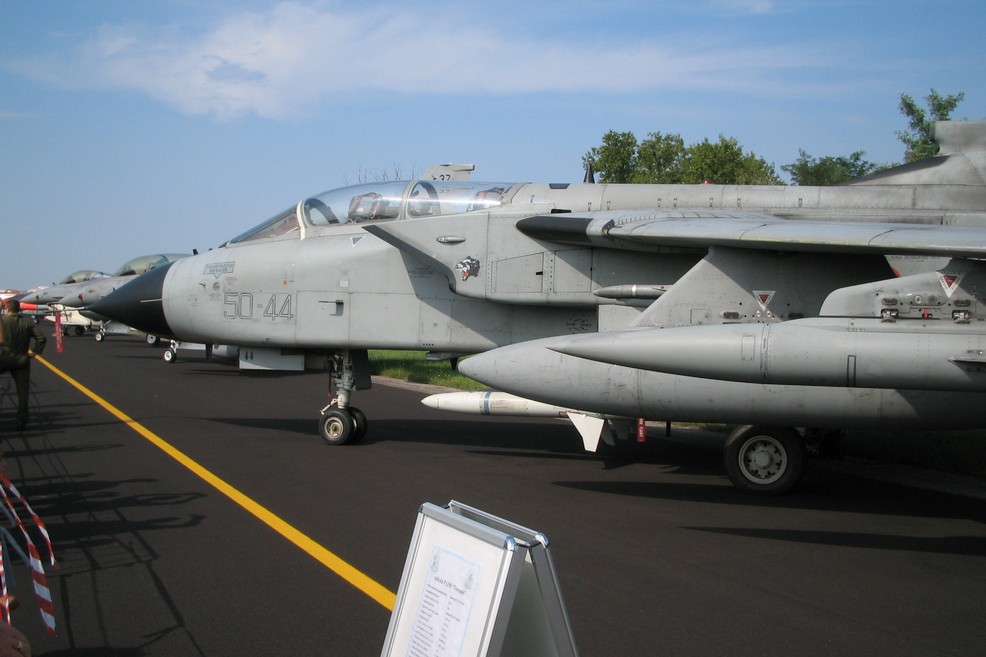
column 16, row 353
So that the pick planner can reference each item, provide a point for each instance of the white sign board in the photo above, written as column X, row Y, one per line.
column 475, row 585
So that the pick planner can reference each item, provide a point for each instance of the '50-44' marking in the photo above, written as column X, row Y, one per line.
column 247, row 305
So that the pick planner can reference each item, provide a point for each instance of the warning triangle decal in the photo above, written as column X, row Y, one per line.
column 950, row 282
column 763, row 297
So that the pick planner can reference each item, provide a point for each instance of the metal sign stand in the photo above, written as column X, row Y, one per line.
column 479, row 586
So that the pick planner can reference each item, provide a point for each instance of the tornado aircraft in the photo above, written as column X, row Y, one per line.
column 461, row 267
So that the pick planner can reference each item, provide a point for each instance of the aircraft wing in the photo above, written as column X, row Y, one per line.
column 753, row 230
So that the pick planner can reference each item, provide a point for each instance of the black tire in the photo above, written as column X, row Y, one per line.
column 152, row 340
column 100, row 336
column 336, row 426
column 169, row 356
column 765, row 460
column 360, row 422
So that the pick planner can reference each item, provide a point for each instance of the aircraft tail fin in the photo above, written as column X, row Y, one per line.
column 448, row 172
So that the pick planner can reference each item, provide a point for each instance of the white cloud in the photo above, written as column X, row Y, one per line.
column 292, row 57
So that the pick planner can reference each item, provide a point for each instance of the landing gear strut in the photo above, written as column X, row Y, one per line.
column 341, row 423
column 767, row 460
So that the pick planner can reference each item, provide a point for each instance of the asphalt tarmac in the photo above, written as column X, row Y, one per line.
column 202, row 523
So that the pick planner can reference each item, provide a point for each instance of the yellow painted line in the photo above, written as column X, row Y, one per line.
column 370, row 587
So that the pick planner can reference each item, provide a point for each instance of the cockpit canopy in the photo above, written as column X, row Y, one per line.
column 81, row 276
column 146, row 263
column 379, row 202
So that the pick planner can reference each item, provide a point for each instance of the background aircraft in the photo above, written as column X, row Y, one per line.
column 70, row 298
column 463, row 267
column 54, row 293
column 94, row 289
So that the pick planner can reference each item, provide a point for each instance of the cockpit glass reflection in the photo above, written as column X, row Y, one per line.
column 143, row 264
column 383, row 201
column 285, row 223
column 370, row 202
column 380, row 202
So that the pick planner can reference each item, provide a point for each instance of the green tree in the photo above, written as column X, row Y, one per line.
column 828, row 170
column 616, row 160
column 917, row 139
column 665, row 159
column 659, row 159
column 723, row 162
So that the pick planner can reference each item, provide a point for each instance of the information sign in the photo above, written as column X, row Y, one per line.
column 477, row 585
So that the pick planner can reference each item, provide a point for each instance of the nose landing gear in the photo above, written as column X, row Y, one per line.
column 341, row 423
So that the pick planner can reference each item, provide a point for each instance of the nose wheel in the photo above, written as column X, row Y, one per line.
column 339, row 426
column 340, row 422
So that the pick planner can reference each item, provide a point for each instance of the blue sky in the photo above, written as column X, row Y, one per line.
column 129, row 128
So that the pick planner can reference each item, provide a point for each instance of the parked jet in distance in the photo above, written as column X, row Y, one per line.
column 82, row 288
column 462, row 267
column 91, row 291
column 54, row 293
column 69, row 300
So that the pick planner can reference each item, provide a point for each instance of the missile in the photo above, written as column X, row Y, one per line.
column 826, row 351
column 491, row 402
column 35, row 309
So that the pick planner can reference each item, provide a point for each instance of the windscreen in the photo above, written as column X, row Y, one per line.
column 285, row 223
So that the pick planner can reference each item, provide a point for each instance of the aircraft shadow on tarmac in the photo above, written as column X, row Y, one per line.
column 973, row 546
column 821, row 490
column 527, row 439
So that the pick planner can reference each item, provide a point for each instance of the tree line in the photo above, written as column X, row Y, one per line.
column 664, row 158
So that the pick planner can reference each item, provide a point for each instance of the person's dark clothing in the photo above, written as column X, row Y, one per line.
column 18, row 331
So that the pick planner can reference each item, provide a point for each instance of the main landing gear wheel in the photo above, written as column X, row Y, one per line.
column 339, row 426
column 766, row 460
column 100, row 336
column 169, row 355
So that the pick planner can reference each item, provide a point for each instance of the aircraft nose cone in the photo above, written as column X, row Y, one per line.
column 138, row 304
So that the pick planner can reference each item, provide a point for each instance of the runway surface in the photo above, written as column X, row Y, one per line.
column 177, row 528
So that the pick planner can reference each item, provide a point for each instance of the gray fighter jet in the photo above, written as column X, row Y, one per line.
column 71, row 297
column 460, row 267
column 92, row 290
column 54, row 293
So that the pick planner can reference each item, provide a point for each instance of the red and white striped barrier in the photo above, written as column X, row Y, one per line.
column 41, row 590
